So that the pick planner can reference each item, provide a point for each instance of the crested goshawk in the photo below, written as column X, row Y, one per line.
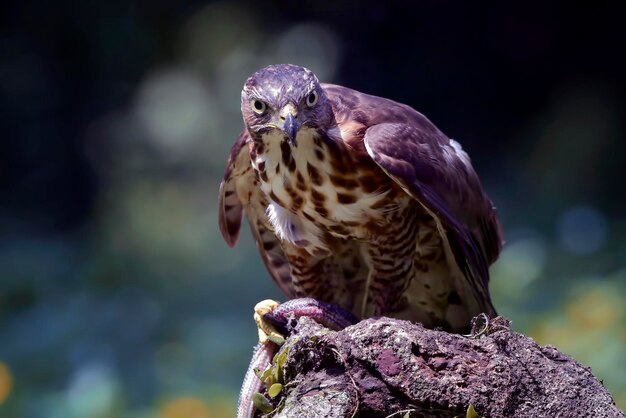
column 359, row 201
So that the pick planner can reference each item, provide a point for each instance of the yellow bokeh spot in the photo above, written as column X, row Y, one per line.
column 6, row 382
column 222, row 408
column 560, row 336
column 187, row 407
column 596, row 308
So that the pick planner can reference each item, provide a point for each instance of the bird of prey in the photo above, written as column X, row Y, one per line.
column 359, row 201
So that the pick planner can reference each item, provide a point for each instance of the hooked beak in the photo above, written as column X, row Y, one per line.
column 291, row 125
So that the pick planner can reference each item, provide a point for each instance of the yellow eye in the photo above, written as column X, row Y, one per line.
column 258, row 106
column 311, row 99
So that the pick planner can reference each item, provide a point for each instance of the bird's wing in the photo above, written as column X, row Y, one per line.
column 229, row 205
column 239, row 191
column 437, row 173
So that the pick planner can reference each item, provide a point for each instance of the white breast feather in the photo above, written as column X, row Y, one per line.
column 293, row 229
column 288, row 226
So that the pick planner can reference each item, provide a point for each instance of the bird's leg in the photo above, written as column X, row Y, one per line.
column 306, row 276
column 275, row 321
column 391, row 260
column 390, row 255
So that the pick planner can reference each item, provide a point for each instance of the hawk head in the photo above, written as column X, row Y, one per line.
column 286, row 98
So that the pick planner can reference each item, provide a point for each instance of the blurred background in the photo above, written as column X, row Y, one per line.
column 118, row 296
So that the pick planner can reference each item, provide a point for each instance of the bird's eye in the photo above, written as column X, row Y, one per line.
column 311, row 99
column 258, row 106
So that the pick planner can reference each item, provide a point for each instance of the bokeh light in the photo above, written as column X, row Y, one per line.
column 92, row 391
column 522, row 261
column 176, row 111
column 6, row 382
column 186, row 408
column 582, row 230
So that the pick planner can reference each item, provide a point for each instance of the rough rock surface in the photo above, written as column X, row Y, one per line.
column 388, row 368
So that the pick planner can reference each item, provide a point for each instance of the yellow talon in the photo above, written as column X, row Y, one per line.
column 266, row 331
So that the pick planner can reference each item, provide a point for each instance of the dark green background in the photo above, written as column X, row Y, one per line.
column 118, row 297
